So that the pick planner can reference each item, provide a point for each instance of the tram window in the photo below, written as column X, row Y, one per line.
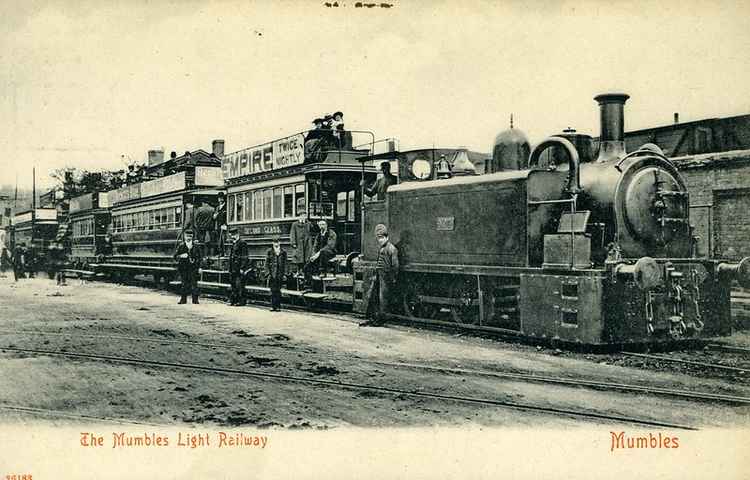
column 277, row 202
column 350, row 198
column 240, row 207
column 178, row 216
column 257, row 205
column 299, row 198
column 267, row 203
column 288, row 202
column 248, row 206
column 170, row 217
column 230, row 208
column 341, row 205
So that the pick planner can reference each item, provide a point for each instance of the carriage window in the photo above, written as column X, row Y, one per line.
column 351, row 214
column 341, row 205
column 240, row 206
column 267, row 202
column 230, row 208
column 299, row 198
column 257, row 205
column 277, row 202
column 248, row 206
column 178, row 215
column 288, row 202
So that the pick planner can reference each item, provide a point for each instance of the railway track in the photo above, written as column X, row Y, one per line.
column 663, row 358
column 523, row 377
column 354, row 386
column 70, row 416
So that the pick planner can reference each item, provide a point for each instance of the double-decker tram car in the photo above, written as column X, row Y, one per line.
column 563, row 244
column 36, row 230
column 88, row 223
column 273, row 185
column 148, row 217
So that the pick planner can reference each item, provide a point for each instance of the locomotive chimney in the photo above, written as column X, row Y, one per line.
column 217, row 147
column 612, row 119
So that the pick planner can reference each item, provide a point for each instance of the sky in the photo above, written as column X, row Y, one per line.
column 89, row 83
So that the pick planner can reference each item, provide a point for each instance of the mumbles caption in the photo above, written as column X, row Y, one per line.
column 186, row 440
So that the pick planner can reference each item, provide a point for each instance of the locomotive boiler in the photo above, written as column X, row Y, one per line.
column 572, row 246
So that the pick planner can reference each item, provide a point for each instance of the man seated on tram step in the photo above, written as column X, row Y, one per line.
column 384, row 280
column 239, row 264
column 188, row 256
column 324, row 249
column 380, row 186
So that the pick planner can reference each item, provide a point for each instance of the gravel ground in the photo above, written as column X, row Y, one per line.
column 133, row 322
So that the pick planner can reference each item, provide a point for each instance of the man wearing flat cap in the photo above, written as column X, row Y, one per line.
column 387, row 272
column 239, row 263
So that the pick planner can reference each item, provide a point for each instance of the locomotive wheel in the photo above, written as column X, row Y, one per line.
column 465, row 309
column 414, row 307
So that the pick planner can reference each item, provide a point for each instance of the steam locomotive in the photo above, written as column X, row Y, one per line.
column 561, row 244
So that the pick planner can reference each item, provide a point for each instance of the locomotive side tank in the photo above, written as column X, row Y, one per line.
column 585, row 250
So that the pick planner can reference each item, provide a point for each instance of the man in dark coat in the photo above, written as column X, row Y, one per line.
column 204, row 223
column 220, row 223
column 324, row 249
column 300, row 238
column 238, row 265
column 387, row 272
column 276, row 273
column 382, row 183
column 19, row 261
column 188, row 256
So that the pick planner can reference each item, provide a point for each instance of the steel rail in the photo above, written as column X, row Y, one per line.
column 728, row 348
column 526, row 377
column 357, row 386
column 58, row 413
column 686, row 362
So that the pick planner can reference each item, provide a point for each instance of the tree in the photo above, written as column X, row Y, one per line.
column 75, row 182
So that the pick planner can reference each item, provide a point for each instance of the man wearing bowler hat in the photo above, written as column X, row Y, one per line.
column 188, row 256
column 275, row 272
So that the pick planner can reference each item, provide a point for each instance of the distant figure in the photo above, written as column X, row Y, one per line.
column 300, row 237
column 387, row 272
column 188, row 256
column 276, row 273
column 30, row 261
column 19, row 261
column 239, row 263
column 324, row 249
column 380, row 186
column 108, row 247
column 204, row 222
column 220, row 223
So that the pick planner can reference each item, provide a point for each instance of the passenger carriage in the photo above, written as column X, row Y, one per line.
column 148, row 217
column 268, row 185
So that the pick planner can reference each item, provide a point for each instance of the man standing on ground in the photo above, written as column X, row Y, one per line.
column 301, row 239
column 188, row 256
column 220, row 223
column 19, row 261
column 387, row 272
column 238, row 265
column 276, row 272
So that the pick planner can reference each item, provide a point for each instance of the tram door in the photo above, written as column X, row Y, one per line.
column 336, row 197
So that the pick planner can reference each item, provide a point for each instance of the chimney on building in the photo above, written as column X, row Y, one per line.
column 676, row 118
column 155, row 156
column 173, row 155
column 217, row 148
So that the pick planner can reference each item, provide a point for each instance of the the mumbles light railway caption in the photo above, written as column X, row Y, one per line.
column 186, row 440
